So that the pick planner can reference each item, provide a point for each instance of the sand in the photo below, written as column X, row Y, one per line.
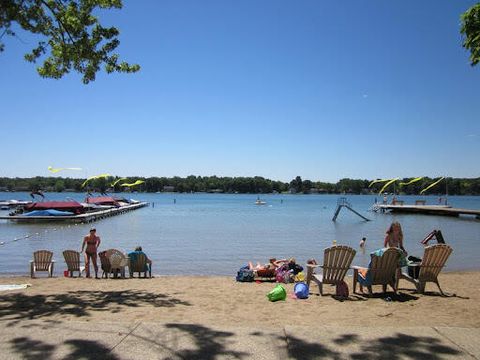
column 220, row 301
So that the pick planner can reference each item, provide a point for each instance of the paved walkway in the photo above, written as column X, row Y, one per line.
column 44, row 340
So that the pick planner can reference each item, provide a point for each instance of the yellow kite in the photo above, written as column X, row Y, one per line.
column 117, row 181
column 431, row 185
column 387, row 185
column 412, row 181
column 52, row 170
column 378, row 181
column 95, row 177
column 138, row 182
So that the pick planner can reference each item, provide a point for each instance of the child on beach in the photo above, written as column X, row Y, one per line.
column 362, row 242
column 394, row 237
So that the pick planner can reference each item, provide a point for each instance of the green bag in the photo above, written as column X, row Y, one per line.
column 278, row 293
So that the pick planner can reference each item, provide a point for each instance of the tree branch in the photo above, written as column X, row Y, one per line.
column 60, row 23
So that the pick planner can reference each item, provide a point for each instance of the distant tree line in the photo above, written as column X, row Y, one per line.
column 241, row 185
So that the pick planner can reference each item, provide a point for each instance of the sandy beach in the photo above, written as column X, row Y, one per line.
column 221, row 301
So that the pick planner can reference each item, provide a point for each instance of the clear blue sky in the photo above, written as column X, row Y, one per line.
column 276, row 88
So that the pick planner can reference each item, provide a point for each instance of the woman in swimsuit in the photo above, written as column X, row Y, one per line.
column 91, row 242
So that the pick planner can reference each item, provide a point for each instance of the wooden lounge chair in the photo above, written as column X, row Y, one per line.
column 138, row 264
column 433, row 261
column 336, row 262
column 72, row 259
column 118, row 262
column 42, row 261
column 383, row 270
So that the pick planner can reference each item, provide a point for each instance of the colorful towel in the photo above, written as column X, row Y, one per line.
column 364, row 277
column 14, row 287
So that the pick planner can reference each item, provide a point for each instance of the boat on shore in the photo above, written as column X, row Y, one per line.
column 11, row 204
column 94, row 208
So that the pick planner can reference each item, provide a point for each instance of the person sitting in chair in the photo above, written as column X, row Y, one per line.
column 134, row 255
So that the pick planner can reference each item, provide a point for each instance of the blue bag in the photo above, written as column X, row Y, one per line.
column 245, row 274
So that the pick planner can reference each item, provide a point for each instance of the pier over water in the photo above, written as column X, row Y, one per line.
column 426, row 209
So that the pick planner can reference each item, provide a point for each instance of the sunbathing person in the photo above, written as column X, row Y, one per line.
column 272, row 264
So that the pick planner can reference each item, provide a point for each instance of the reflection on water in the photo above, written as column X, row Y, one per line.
column 217, row 233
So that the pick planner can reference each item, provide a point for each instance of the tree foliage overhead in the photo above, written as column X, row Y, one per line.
column 73, row 37
column 471, row 32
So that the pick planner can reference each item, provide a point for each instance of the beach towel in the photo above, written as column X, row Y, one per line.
column 364, row 277
column 266, row 273
column 14, row 287
column 134, row 255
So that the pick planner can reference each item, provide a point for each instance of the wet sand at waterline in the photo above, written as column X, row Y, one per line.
column 220, row 301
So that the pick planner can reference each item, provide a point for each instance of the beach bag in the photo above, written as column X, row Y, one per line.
column 245, row 274
column 301, row 290
column 342, row 289
column 295, row 268
column 300, row 277
column 282, row 274
column 413, row 270
column 278, row 293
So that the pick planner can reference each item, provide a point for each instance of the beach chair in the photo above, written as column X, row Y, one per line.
column 137, row 263
column 383, row 270
column 105, row 264
column 118, row 262
column 433, row 261
column 72, row 259
column 336, row 263
column 42, row 261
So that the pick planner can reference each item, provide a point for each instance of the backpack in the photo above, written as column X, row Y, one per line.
column 245, row 274
column 342, row 289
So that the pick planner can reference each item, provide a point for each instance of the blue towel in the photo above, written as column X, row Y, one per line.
column 364, row 277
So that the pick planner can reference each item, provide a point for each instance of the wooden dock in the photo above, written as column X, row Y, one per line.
column 82, row 218
column 442, row 210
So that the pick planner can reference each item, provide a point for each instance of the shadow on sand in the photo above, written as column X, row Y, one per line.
column 18, row 307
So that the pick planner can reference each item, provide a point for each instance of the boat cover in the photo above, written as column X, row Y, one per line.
column 102, row 200
column 70, row 205
column 48, row 212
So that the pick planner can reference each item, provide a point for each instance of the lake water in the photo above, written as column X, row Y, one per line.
column 214, row 234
